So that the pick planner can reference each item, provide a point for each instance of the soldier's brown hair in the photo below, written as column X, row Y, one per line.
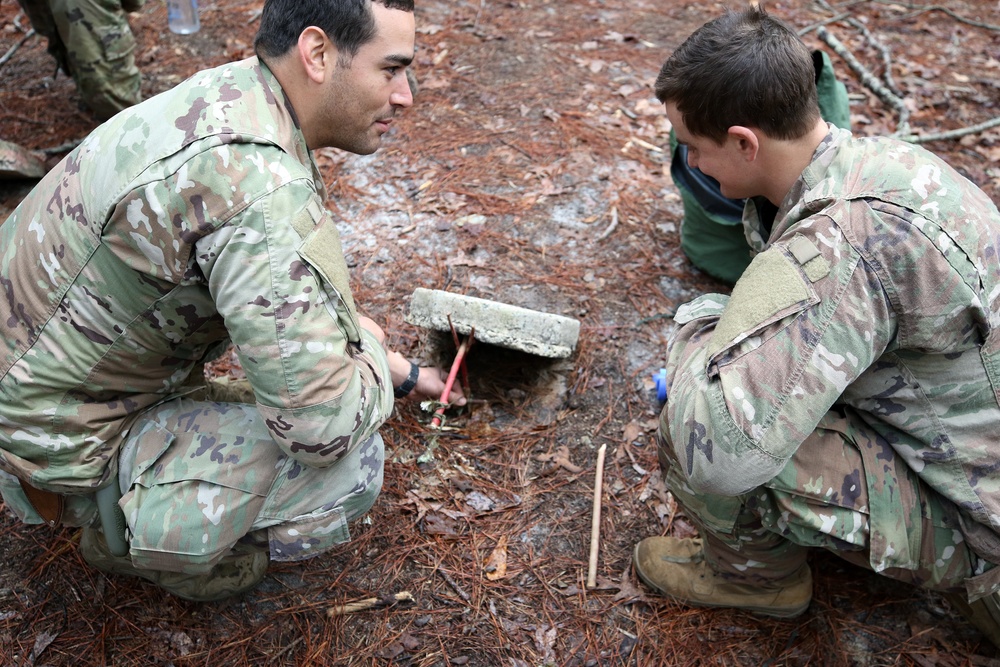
column 744, row 68
column 348, row 23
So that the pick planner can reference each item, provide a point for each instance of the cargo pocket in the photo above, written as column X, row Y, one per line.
column 197, row 482
column 140, row 452
column 308, row 535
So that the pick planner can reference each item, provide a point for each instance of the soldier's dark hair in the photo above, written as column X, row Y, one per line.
column 348, row 23
column 743, row 68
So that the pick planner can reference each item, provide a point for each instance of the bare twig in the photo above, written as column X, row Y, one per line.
column 455, row 587
column 869, row 80
column 874, row 41
column 611, row 227
column 953, row 134
column 814, row 26
column 10, row 52
column 595, row 526
column 370, row 603
column 883, row 50
column 921, row 9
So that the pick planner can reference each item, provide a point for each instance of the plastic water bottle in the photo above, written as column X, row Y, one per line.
column 660, row 380
column 182, row 16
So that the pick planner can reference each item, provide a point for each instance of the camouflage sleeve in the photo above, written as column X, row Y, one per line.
column 321, row 382
column 751, row 377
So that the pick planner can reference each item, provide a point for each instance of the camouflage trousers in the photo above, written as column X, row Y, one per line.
column 92, row 42
column 830, row 496
column 200, row 479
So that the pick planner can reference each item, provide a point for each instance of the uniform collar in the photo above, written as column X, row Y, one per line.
column 289, row 134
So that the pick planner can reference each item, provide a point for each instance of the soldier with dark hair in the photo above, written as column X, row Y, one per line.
column 845, row 396
column 187, row 223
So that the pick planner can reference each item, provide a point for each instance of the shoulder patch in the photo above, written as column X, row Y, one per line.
column 809, row 257
column 322, row 249
column 771, row 287
column 802, row 249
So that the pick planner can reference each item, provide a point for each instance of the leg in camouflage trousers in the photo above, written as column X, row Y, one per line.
column 91, row 40
column 201, row 478
column 822, row 499
column 209, row 498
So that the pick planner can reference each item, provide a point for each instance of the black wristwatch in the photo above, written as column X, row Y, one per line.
column 409, row 383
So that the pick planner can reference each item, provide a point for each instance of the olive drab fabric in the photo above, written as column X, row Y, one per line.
column 190, row 221
column 91, row 41
column 869, row 316
column 712, row 234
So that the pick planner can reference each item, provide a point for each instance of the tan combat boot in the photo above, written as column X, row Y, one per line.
column 236, row 574
column 677, row 569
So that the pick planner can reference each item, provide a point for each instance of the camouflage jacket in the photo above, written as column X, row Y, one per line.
column 875, row 295
column 186, row 222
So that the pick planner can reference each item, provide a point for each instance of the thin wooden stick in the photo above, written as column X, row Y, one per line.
column 870, row 81
column 595, row 526
column 10, row 52
column 953, row 134
column 369, row 603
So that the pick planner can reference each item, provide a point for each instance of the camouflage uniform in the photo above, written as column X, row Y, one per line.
column 845, row 395
column 91, row 41
column 189, row 221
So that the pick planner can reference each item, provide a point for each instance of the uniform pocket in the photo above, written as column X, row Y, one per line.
column 308, row 535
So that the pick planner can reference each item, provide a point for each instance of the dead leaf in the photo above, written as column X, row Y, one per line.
column 437, row 524
column 628, row 592
column 545, row 640
column 480, row 502
column 393, row 650
column 632, row 431
column 560, row 458
column 42, row 642
column 496, row 566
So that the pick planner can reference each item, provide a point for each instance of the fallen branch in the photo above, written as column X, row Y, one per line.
column 611, row 227
column 869, row 80
column 883, row 50
column 920, row 9
column 370, row 603
column 814, row 26
column 952, row 134
column 10, row 52
column 458, row 589
column 890, row 93
column 595, row 525
column 874, row 41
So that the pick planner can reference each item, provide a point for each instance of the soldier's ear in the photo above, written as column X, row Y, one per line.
column 745, row 140
column 316, row 53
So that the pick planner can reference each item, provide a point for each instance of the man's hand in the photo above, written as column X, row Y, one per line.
column 430, row 382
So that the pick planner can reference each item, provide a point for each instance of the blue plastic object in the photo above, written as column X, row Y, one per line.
column 660, row 379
